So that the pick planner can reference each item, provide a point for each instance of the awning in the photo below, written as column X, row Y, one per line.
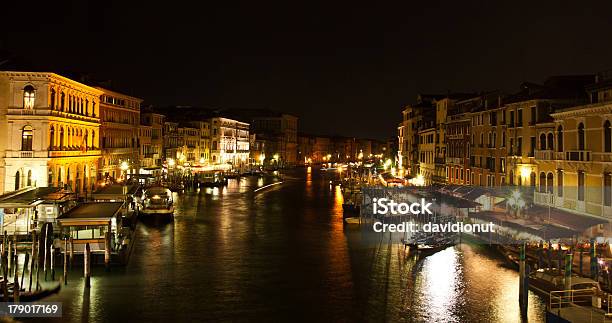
column 572, row 221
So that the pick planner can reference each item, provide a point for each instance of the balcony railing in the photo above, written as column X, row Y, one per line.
column 544, row 198
column 73, row 153
column 578, row 155
column 545, row 155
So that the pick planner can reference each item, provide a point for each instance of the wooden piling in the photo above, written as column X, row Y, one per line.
column 34, row 257
column 4, row 262
column 16, row 288
column 523, row 286
column 10, row 256
column 87, row 265
column 71, row 252
column 65, row 261
column 25, row 266
column 107, row 251
column 52, row 261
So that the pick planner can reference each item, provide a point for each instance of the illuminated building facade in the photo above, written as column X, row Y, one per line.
column 151, row 155
column 49, row 128
column 119, row 133
column 229, row 142
column 575, row 155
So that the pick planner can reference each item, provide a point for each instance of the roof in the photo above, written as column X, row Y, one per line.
column 92, row 211
column 115, row 189
column 29, row 196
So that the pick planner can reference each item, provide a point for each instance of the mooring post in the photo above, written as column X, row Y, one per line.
column 34, row 258
column 86, row 265
column 549, row 251
column 65, row 261
column 52, row 260
column 16, row 289
column 10, row 256
column 4, row 261
column 71, row 252
column 523, row 280
column 594, row 263
column 45, row 249
column 107, row 251
column 561, row 259
column 568, row 270
column 25, row 266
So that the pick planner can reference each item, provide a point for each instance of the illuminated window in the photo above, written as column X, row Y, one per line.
column 581, row 136
column 26, row 138
column 607, row 137
column 28, row 97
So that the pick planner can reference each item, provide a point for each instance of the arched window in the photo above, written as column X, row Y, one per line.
column 61, row 138
column 560, row 183
column 60, row 183
column 532, row 178
column 581, row 136
column 549, row 182
column 29, row 178
column 62, row 101
column 542, row 182
column 511, row 177
column 550, row 140
column 560, row 138
column 28, row 97
column 26, row 138
column 607, row 137
column 52, row 99
column 51, row 138
column 542, row 142
column 17, row 180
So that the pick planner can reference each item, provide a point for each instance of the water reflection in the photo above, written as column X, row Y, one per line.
column 283, row 254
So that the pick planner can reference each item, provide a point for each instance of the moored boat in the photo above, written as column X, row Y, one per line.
column 157, row 201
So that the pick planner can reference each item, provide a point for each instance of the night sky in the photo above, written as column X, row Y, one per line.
column 342, row 68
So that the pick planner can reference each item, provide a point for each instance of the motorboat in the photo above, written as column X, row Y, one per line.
column 157, row 201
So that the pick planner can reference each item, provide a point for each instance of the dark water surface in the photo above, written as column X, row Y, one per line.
column 282, row 253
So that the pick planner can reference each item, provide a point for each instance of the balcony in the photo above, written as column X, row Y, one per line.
column 578, row 155
column 455, row 136
column 54, row 113
column 544, row 198
column 73, row 153
column 26, row 154
column 545, row 154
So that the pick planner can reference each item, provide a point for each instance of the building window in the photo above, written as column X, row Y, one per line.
column 542, row 182
column 532, row 178
column 17, row 180
column 52, row 99
column 581, row 136
column 28, row 97
column 29, row 183
column 560, row 183
column 560, row 138
column 26, row 138
column 607, row 137
column 580, row 186
column 549, row 182
column 608, row 189
column 550, row 141
column 51, row 138
column 542, row 142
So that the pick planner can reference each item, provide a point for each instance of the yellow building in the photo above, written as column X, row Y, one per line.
column 119, row 132
column 427, row 148
column 49, row 131
column 578, row 168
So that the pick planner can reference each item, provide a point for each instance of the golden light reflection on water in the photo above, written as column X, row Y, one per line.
column 440, row 283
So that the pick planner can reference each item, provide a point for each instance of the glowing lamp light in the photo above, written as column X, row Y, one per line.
column 275, row 156
column 171, row 162
column 525, row 171
column 201, row 160
column 124, row 166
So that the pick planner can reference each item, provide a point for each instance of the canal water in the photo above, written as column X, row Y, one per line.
column 282, row 253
